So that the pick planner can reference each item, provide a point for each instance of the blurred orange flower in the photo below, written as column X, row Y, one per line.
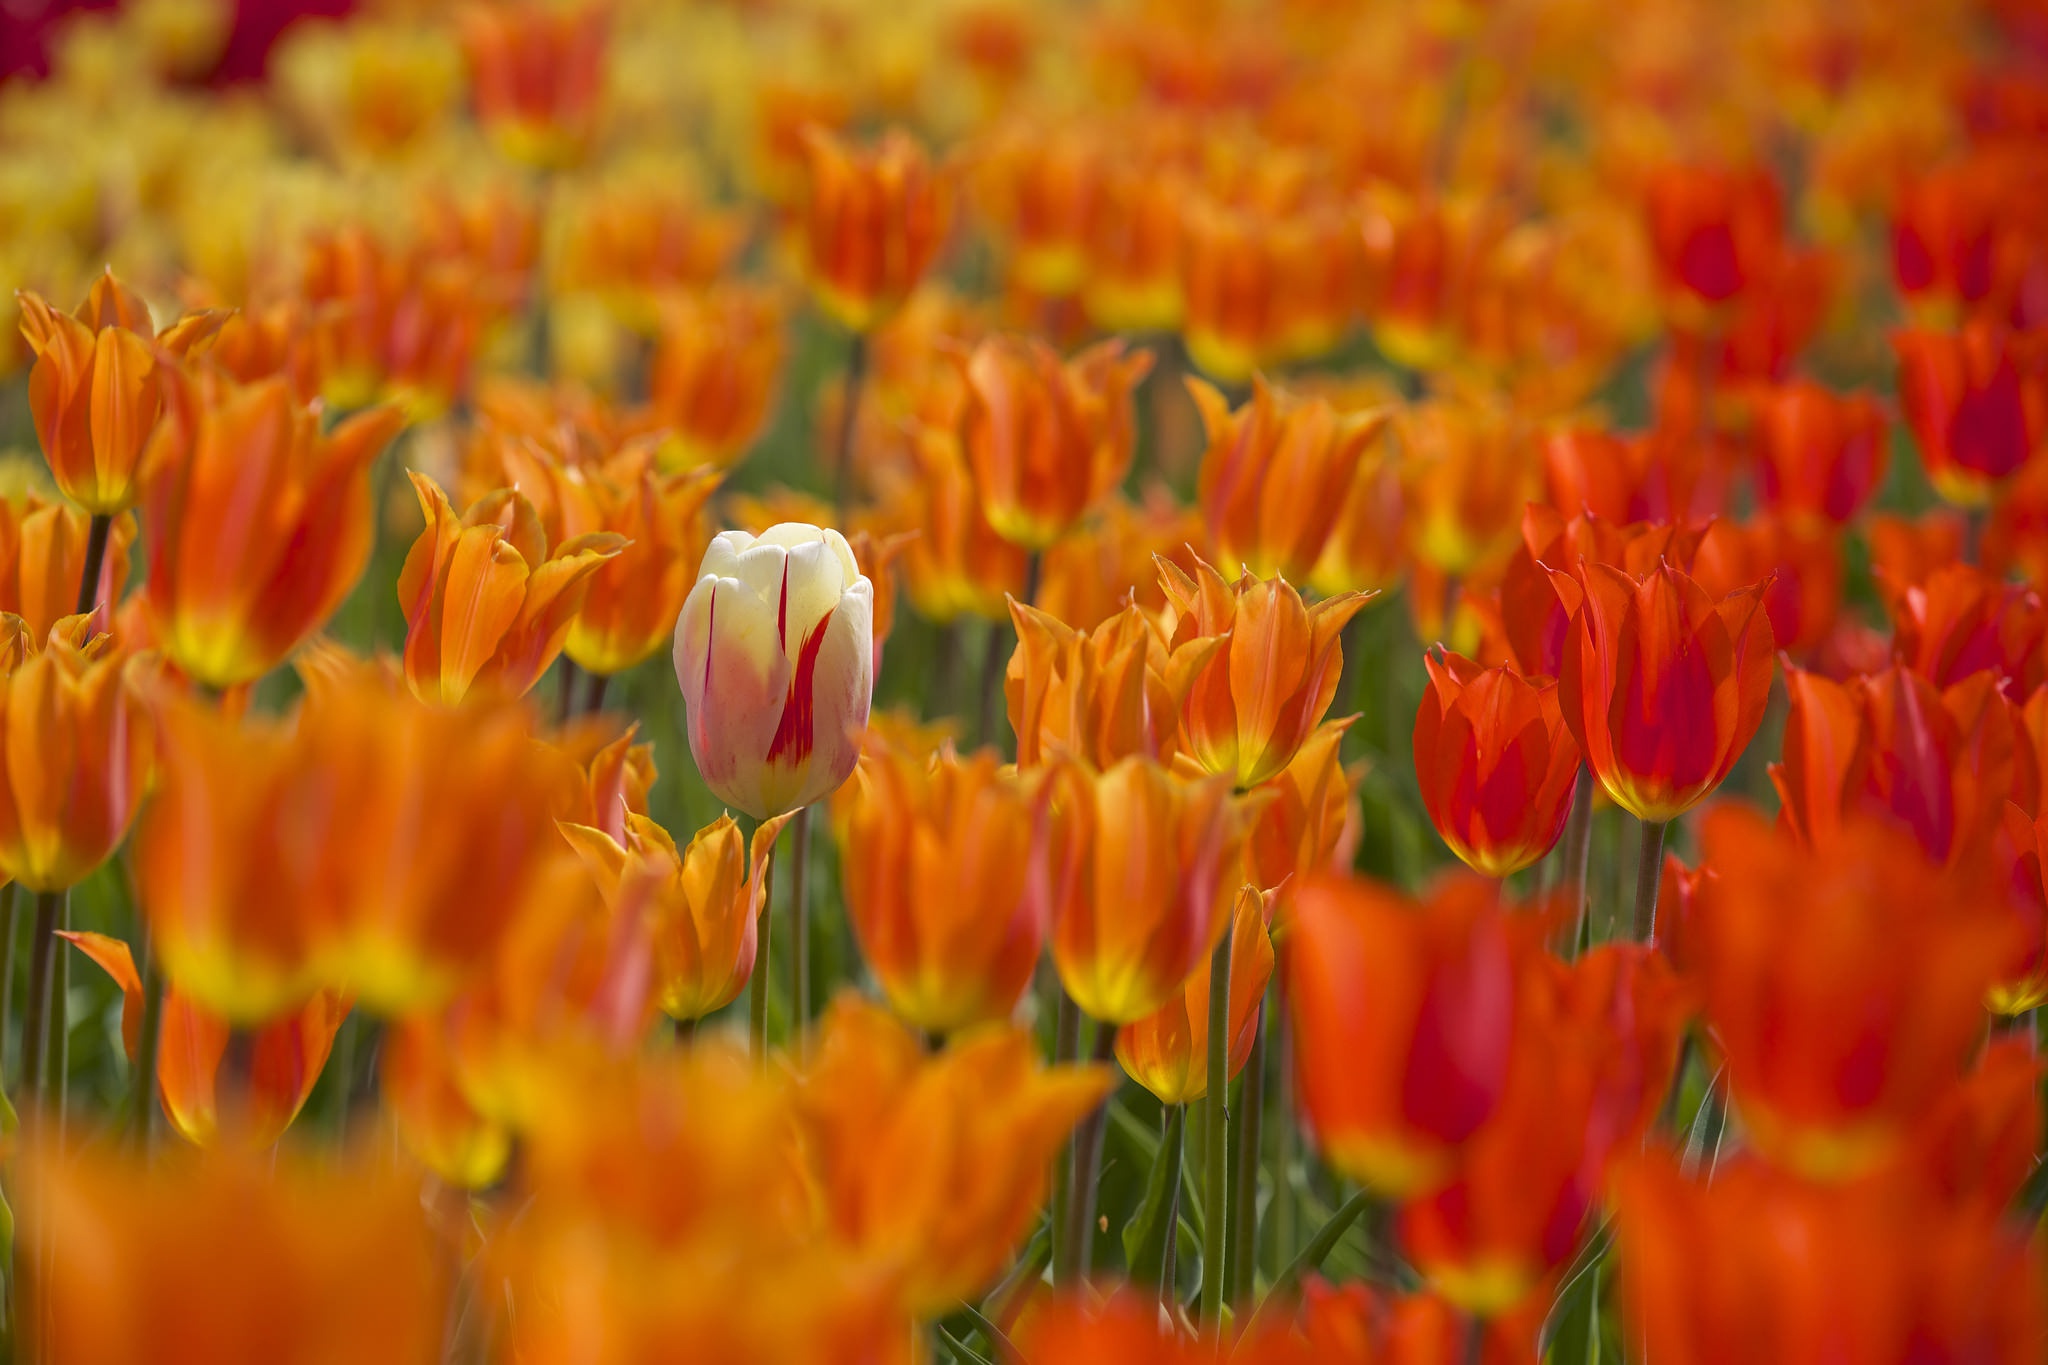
column 42, row 557
column 1820, row 454
column 713, row 374
column 1098, row 695
column 537, row 75
column 1977, row 403
column 1167, row 1051
column 872, row 222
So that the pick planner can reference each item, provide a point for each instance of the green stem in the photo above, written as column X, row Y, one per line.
column 10, row 915
column 35, row 1050
column 565, row 698
column 800, row 930
column 757, row 986
column 995, row 661
column 1649, row 872
column 1312, row 1256
column 1578, row 850
column 1080, row 1228
column 1215, row 1125
column 599, row 683
column 1066, row 1047
column 1286, row 1215
column 58, row 1082
column 142, row 1092
column 95, row 561
column 1244, row 1217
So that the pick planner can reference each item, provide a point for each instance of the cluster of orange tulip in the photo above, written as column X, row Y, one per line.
column 1319, row 444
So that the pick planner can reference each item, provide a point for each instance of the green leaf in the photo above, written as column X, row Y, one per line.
column 1577, row 1339
column 1145, row 1235
column 1581, row 1283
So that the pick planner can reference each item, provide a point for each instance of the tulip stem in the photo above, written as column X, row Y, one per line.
column 1080, row 1227
column 1286, row 1228
column 565, row 698
column 11, row 917
column 35, row 1046
column 995, row 660
column 1215, row 1192
column 799, row 929
column 142, row 1094
column 1578, row 851
column 1649, row 872
column 95, row 560
column 599, row 683
column 757, row 990
column 1244, row 1214
column 849, row 420
column 1066, row 1047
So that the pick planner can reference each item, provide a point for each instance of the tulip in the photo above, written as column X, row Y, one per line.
column 74, row 760
column 285, row 1057
column 233, row 1256
column 1111, row 562
column 872, row 222
column 1959, row 620
column 1977, row 404
column 417, row 1082
column 537, row 76
column 713, row 375
column 486, row 604
column 1495, row 763
column 1622, row 479
column 2023, row 984
column 1276, row 473
column 1403, row 1019
column 278, row 856
column 631, row 599
column 100, row 385
column 1097, row 695
column 957, row 565
column 1661, row 686
column 43, row 553
column 1715, row 232
column 1785, row 935
column 1821, row 455
column 701, row 906
column 871, row 1103
column 1042, row 187
column 643, row 244
column 390, row 322
column 1594, row 1055
column 1047, row 440
column 1141, row 873
column 1259, row 696
column 1363, row 551
column 1758, row 1265
column 776, row 712
column 1134, row 249
column 1266, row 284
column 1465, row 480
column 1167, row 1051
column 1944, row 238
column 606, row 775
column 1975, row 1148
column 1535, row 622
column 935, row 859
column 1308, row 820
column 260, row 524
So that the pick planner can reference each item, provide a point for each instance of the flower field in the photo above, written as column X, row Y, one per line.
column 988, row 682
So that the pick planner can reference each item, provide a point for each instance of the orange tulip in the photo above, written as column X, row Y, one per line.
column 1654, row 476
column 1167, row 1051
column 631, row 599
column 935, row 859
column 1495, row 762
column 260, row 524
column 1906, row 550
column 871, row 1104
column 285, row 1057
column 1977, row 404
column 1047, row 440
column 1276, row 474
column 1465, row 480
column 417, row 1082
column 99, row 386
column 230, row 1257
column 1107, row 564
column 1403, row 1019
column 1308, row 818
column 1821, row 455
column 1258, row 697
column 1716, row 233
column 277, row 856
column 1042, row 187
column 1363, row 551
column 1758, row 1265
column 537, row 76
column 1800, row 562
column 485, row 604
column 1140, row 874
column 1098, row 695
column 643, row 246
column 1594, row 1054
column 1535, row 623
column 42, row 557
column 74, row 759
column 1784, row 936
column 1134, row 248
column 1944, row 239
column 1960, row 620
column 713, row 374
column 702, row 906
column 873, row 220
column 957, row 565
column 391, row 322
column 1662, row 686
column 608, row 775
column 1264, row 285
column 1941, row 764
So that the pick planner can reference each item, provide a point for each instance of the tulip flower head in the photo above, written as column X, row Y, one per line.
column 1495, row 761
column 1977, row 403
column 775, row 655
column 1167, row 1051
column 99, row 386
column 873, row 221
column 1662, row 686
column 1098, row 695
column 42, row 557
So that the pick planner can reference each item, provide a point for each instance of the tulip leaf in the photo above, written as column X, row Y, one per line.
column 1577, row 1338
column 1580, row 1283
column 1712, row 1115
column 1320, row 1245
column 1131, row 1131
column 1145, row 1235
column 961, row 1351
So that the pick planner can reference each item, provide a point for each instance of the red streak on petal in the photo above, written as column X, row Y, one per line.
column 793, row 733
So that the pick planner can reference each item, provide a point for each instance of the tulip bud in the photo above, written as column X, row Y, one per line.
column 775, row 656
